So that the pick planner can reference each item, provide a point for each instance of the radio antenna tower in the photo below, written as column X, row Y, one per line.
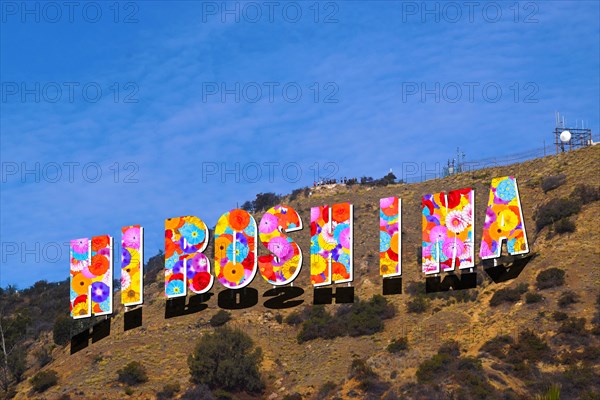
column 567, row 139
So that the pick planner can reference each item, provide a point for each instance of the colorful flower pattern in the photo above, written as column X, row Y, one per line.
column 185, row 240
column 447, row 222
column 331, row 244
column 91, row 276
column 235, row 249
column 283, row 264
column 390, row 263
column 132, row 265
column 503, row 220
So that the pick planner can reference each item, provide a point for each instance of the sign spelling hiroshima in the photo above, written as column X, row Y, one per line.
column 447, row 243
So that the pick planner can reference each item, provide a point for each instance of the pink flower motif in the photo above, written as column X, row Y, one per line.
column 455, row 221
column 125, row 279
column 87, row 273
column 315, row 212
column 438, row 234
column 427, row 251
column 345, row 238
column 80, row 245
column 386, row 202
column 430, row 266
column 453, row 248
column 268, row 223
column 131, row 238
column 199, row 263
column 280, row 247
column 485, row 251
column 467, row 213
column 490, row 217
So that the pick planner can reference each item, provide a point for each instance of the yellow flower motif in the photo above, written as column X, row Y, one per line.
column 80, row 309
column 324, row 244
column 135, row 259
column 195, row 221
column 266, row 237
column 317, row 264
column 222, row 224
column 387, row 266
column 338, row 277
column 130, row 296
column 289, row 269
column 135, row 280
column 508, row 220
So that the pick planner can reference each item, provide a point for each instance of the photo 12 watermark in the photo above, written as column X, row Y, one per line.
column 254, row 92
column 454, row 12
column 253, row 12
column 469, row 92
column 68, row 92
column 253, row 172
column 54, row 12
column 68, row 171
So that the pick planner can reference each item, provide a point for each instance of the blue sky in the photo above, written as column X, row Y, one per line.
column 367, row 74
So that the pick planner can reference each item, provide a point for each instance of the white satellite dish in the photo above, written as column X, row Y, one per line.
column 565, row 136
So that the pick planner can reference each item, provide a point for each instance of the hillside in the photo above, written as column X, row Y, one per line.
column 569, row 353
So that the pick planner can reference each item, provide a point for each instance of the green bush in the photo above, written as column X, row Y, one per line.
column 368, row 380
column 418, row 304
column 450, row 347
column 325, row 389
column 550, row 278
column 506, row 295
column 220, row 318
column 132, row 374
column 559, row 316
column 586, row 194
column 498, row 346
column 61, row 331
column 564, row 225
column 357, row 319
column 555, row 210
column 44, row 380
column 530, row 347
column 532, row 297
column 227, row 359
column 43, row 356
column 573, row 326
column 293, row 396
column 293, row 318
column 432, row 369
column 567, row 298
column 398, row 345
column 552, row 182
column 279, row 318
column 168, row 391
column 198, row 392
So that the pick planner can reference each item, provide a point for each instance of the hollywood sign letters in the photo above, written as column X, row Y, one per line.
column 447, row 243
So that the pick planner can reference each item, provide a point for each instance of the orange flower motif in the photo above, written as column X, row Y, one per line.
column 170, row 248
column 233, row 273
column 496, row 231
column 239, row 219
column 80, row 283
column 99, row 242
column 340, row 212
column 99, row 265
column 173, row 223
column 221, row 244
column 394, row 243
column 339, row 268
column 291, row 217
